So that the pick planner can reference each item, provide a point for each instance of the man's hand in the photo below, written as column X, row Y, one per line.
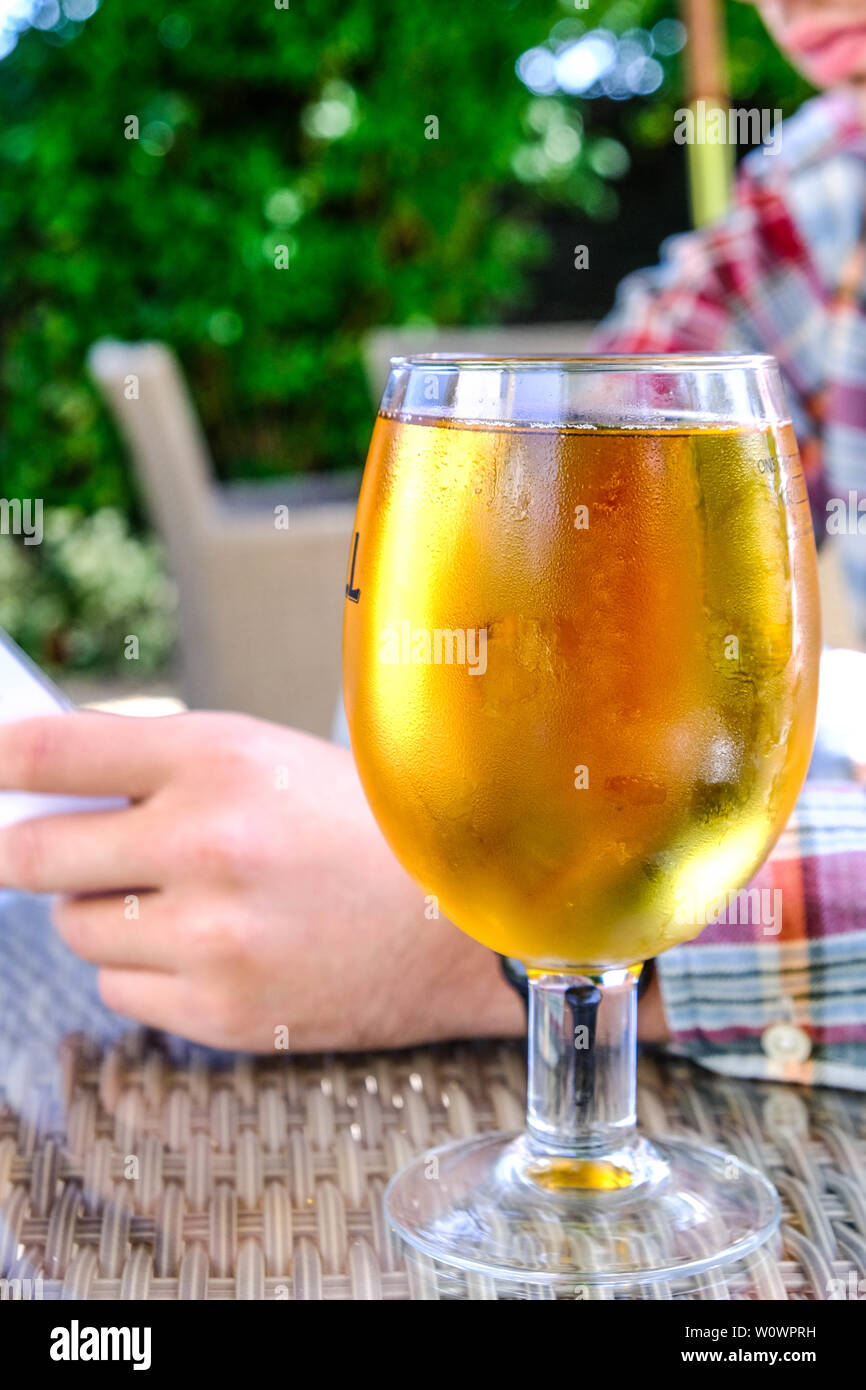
column 247, row 889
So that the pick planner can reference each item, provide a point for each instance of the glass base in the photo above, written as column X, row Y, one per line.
column 651, row 1211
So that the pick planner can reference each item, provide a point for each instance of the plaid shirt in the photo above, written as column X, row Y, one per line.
column 784, row 273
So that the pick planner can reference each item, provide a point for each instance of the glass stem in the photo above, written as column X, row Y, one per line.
column 582, row 1062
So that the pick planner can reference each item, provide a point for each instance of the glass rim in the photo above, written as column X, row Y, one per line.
column 600, row 362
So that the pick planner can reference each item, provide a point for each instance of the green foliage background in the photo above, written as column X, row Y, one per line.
column 304, row 127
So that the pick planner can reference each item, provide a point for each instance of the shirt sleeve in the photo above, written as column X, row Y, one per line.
column 775, row 986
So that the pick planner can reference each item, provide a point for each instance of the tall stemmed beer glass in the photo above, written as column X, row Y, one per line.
column 580, row 651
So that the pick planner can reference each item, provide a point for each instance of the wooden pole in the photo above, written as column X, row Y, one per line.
column 710, row 167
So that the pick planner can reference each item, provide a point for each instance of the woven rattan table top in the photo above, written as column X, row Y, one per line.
column 139, row 1175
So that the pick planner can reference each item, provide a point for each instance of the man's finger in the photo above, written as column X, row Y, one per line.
column 167, row 1002
column 92, row 852
column 130, row 930
column 86, row 753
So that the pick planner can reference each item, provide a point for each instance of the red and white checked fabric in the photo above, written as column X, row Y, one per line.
column 784, row 273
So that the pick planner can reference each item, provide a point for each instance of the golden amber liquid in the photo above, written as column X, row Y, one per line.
column 645, row 719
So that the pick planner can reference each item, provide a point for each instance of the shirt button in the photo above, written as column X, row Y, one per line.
column 785, row 1042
